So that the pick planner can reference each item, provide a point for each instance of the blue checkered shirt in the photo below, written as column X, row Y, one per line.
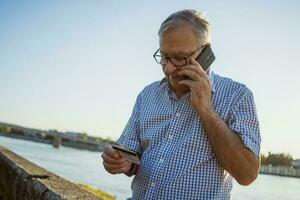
column 177, row 160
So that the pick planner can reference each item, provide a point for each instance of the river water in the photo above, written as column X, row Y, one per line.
column 80, row 166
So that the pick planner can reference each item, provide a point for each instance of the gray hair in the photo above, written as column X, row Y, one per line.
column 188, row 17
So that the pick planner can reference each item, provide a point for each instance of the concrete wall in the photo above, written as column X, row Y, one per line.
column 23, row 180
column 281, row 171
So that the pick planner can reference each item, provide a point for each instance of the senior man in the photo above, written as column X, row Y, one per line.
column 194, row 130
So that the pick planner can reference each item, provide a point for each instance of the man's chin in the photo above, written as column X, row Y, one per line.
column 174, row 83
column 179, row 87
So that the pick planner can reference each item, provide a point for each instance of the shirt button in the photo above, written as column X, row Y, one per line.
column 178, row 114
column 152, row 184
column 170, row 137
column 161, row 160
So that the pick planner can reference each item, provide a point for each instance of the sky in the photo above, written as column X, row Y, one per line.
column 79, row 65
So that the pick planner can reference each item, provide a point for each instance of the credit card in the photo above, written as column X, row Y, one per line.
column 127, row 154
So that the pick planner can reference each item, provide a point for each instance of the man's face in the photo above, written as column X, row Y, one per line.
column 179, row 42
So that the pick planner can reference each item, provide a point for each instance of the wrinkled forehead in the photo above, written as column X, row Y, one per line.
column 178, row 40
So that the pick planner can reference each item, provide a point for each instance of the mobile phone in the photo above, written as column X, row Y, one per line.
column 206, row 58
column 127, row 154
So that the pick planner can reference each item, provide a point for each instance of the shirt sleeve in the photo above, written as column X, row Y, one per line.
column 130, row 135
column 243, row 120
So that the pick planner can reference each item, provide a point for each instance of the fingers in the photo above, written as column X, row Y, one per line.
column 113, row 162
column 117, row 168
column 199, row 67
column 196, row 67
column 197, row 78
column 187, row 82
column 194, row 71
column 109, row 151
column 189, row 73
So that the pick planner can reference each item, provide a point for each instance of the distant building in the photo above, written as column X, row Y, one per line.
column 74, row 135
column 52, row 136
column 296, row 164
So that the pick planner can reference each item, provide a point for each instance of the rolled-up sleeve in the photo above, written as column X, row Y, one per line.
column 243, row 120
column 130, row 135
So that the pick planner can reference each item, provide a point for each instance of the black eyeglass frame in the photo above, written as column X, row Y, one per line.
column 186, row 58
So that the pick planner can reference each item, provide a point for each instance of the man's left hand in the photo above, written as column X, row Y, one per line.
column 199, row 85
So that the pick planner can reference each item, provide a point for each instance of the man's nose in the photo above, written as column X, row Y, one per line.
column 169, row 68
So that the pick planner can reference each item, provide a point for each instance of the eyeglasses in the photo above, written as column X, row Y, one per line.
column 177, row 61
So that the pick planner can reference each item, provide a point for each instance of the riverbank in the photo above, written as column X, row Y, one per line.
column 54, row 137
column 63, row 140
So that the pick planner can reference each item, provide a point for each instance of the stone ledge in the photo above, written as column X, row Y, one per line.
column 22, row 179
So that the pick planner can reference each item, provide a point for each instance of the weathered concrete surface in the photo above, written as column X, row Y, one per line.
column 23, row 180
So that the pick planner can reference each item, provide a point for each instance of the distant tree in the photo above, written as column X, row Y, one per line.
column 5, row 129
column 263, row 159
column 277, row 159
column 108, row 140
column 17, row 131
column 84, row 137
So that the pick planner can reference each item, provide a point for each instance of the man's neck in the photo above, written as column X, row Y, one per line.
column 180, row 94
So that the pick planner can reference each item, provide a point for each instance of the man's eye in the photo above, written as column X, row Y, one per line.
column 163, row 58
column 178, row 61
column 179, row 58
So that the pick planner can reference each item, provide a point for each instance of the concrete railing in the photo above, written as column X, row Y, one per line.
column 23, row 180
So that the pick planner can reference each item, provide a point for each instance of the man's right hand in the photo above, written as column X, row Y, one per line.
column 113, row 162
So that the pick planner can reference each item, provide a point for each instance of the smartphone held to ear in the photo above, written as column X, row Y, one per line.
column 206, row 58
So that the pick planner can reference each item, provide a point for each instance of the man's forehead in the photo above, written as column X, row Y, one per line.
column 179, row 52
column 178, row 41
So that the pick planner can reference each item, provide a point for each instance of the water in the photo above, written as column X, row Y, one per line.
column 80, row 166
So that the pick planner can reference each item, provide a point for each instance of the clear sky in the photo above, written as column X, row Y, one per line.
column 79, row 65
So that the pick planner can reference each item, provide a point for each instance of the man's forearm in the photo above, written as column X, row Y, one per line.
column 238, row 160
